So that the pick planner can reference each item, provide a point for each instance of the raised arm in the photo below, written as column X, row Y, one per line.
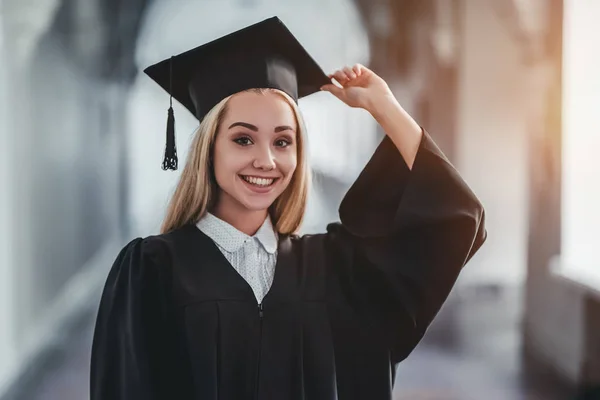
column 409, row 224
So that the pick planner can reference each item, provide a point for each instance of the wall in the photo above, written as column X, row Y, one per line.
column 60, row 149
column 554, row 320
column 6, row 237
column 491, row 141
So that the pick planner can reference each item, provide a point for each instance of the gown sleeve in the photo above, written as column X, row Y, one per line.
column 130, row 346
column 404, row 237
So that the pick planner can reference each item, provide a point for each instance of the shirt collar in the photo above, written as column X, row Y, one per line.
column 266, row 236
column 231, row 239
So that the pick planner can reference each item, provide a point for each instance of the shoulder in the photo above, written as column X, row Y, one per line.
column 140, row 276
column 163, row 246
column 151, row 255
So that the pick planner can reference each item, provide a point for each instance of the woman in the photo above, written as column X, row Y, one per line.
column 228, row 302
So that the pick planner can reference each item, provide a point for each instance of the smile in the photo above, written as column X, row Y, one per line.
column 256, row 181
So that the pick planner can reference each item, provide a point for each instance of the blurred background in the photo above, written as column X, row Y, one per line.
column 509, row 89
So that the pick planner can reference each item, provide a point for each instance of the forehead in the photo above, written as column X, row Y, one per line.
column 266, row 108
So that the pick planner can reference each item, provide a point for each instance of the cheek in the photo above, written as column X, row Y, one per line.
column 228, row 162
column 288, row 164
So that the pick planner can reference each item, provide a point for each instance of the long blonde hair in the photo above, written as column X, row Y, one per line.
column 197, row 188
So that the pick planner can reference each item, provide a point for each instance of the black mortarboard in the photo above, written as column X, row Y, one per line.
column 263, row 55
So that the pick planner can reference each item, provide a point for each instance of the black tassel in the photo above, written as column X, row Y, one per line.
column 170, row 160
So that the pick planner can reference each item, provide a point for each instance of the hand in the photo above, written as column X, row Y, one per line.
column 360, row 88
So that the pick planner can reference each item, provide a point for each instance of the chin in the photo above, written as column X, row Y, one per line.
column 256, row 205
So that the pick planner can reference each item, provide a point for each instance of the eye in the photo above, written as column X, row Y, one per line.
column 283, row 142
column 243, row 141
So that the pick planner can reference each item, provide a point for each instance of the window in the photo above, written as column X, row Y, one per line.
column 580, row 256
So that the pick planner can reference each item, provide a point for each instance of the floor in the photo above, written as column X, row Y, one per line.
column 472, row 352
column 466, row 355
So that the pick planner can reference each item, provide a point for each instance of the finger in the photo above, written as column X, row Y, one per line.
column 340, row 76
column 357, row 68
column 349, row 73
column 365, row 70
column 336, row 81
column 333, row 89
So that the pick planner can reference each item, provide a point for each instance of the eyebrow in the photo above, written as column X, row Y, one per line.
column 255, row 128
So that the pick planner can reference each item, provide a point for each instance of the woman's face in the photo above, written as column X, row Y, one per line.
column 255, row 151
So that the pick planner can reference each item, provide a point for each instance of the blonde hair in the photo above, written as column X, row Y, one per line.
column 197, row 188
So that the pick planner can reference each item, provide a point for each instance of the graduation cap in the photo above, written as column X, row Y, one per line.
column 263, row 55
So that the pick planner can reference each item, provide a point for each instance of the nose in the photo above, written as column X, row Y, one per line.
column 264, row 159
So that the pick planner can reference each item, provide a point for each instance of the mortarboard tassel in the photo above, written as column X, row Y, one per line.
column 170, row 160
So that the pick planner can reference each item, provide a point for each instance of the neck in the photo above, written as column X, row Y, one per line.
column 245, row 221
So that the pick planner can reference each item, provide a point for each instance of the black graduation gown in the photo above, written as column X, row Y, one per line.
column 176, row 321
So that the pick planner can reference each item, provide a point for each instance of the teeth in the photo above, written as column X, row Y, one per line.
column 258, row 181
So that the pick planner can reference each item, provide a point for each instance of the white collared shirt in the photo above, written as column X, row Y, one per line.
column 253, row 257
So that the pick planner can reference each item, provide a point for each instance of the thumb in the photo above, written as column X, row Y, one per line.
column 333, row 89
